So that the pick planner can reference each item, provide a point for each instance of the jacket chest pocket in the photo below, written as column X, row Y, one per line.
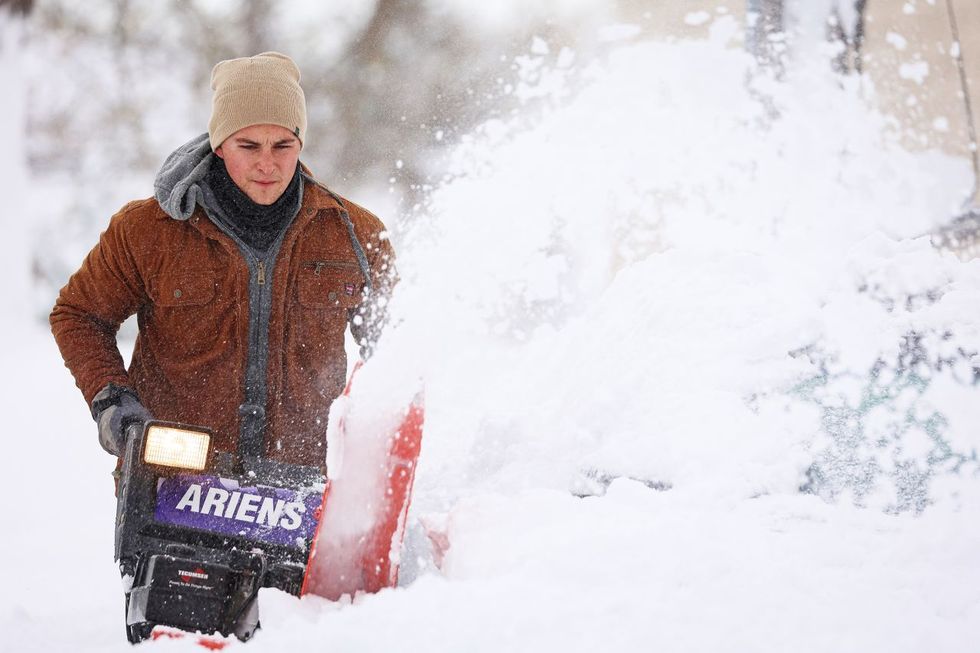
column 185, row 289
column 188, row 325
column 329, row 284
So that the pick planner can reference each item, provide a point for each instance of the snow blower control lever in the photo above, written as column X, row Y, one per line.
column 199, row 531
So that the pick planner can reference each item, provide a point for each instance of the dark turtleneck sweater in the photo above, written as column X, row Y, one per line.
column 258, row 225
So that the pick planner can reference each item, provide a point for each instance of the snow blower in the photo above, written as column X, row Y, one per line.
column 199, row 532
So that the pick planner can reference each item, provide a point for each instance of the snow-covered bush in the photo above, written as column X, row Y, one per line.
column 883, row 441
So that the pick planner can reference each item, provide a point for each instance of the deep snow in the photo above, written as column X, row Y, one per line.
column 668, row 280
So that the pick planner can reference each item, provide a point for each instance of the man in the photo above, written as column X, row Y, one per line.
column 244, row 273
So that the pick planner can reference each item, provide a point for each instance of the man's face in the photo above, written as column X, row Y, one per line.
column 261, row 160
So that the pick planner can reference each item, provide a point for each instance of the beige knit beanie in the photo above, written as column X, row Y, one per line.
column 259, row 90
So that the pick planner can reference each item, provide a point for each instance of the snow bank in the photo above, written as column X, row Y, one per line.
column 641, row 283
column 697, row 284
column 638, row 570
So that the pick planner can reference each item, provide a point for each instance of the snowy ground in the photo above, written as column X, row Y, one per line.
column 654, row 294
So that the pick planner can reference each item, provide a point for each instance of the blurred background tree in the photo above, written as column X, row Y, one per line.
column 21, row 7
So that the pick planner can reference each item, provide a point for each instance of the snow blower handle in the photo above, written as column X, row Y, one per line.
column 133, row 430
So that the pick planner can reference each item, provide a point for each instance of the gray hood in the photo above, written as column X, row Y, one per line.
column 178, row 184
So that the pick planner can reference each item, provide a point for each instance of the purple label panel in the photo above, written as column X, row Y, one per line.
column 209, row 503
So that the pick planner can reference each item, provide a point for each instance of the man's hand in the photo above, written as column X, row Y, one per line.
column 116, row 408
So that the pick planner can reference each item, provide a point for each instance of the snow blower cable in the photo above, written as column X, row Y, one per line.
column 965, row 84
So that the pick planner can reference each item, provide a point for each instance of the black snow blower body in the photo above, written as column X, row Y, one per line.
column 199, row 532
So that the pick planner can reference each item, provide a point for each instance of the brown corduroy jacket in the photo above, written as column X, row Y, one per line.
column 188, row 284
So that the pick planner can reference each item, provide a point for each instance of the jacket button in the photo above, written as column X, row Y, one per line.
column 309, row 210
column 332, row 296
column 178, row 293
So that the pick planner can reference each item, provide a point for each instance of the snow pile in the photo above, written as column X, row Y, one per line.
column 689, row 299
column 651, row 281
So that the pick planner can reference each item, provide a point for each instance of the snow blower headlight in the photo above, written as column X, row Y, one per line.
column 176, row 447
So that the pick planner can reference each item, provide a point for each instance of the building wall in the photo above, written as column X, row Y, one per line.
column 908, row 55
column 680, row 19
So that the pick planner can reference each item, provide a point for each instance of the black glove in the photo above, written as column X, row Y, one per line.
column 116, row 408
